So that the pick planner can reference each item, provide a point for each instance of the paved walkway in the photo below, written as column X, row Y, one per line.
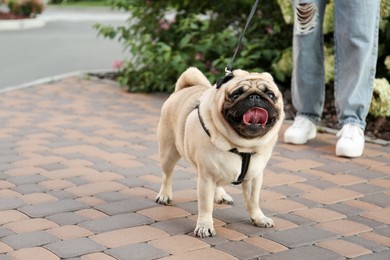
column 79, row 174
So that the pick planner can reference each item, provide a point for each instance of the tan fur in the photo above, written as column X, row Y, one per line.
column 181, row 135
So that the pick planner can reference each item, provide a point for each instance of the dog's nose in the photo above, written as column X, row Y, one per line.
column 254, row 97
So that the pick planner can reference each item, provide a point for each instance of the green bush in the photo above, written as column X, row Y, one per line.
column 27, row 8
column 166, row 37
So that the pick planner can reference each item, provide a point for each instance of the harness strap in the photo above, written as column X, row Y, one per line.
column 245, row 157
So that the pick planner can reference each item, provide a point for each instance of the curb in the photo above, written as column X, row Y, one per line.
column 21, row 24
column 54, row 78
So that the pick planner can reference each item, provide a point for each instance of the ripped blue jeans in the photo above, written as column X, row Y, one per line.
column 356, row 25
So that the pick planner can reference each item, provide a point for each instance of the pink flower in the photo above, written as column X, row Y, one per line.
column 199, row 56
column 117, row 64
column 269, row 30
column 164, row 25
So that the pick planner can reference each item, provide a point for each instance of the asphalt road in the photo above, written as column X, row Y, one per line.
column 66, row 44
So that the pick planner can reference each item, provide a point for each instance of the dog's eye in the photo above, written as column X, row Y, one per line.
column 271, row 95
column 236, row 94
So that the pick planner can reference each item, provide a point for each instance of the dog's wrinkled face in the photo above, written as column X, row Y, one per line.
column 252, row 105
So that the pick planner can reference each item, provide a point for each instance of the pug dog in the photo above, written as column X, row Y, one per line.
column 227, row 132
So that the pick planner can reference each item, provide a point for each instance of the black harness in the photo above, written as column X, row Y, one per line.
column 245, row 157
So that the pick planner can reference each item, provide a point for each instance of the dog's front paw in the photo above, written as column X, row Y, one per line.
column 264, row 222
column 204, row 231
column 163, row 199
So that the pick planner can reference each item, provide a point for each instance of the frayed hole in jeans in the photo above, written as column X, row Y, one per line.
column 306, row 18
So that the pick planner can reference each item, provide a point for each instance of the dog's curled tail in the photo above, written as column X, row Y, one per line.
column 191, row 77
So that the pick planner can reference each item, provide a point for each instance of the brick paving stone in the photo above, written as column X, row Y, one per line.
column 233, row 214
column 69, row 232
column 266, row 244
column 367, row 189
column 164, row 213
column 344, row 227
column 37, row 198
column 376, row 256
column 377, row 238
column 381, row 215
column 29, row 239
column 229, row 234
column 91, row 213
column 30, row 179
column 50, row 208
column 344, row 208
column 370, row 245
column 95, row 188
column 300, row 236
column 133, row 235
column 68, row 218
column 127, row 206
column 8, row 216
column 305, row 253
column 97, row 256
column 56, row 184
column 176, row 226
column 29, row 188
column 112, row 196
column 11, row 203
column 115, row 222
column 344, row 248
column 141, row 251
column 206, row 253
column 272, row 179
column 295, row 219
column 178, row 244
column 382, row 200
column 282, row 206
column 37, row 252
column 62, row 195
column 74, row 247
column 368, row 222
column 5, row 232
column 4, row 248
column 319, row 214
column 242, row 250
column 29, row 225
column 331, row 196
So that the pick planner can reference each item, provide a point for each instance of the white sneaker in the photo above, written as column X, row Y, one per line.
column 351, row 141
column 301, row 131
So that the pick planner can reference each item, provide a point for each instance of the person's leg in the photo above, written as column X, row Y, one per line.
column 308, row 89
column 356, row 46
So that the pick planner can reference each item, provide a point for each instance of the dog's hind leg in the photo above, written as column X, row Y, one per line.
column 168, row 158
column 222, row 197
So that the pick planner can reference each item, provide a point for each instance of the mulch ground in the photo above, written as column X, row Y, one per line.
column 9, row 16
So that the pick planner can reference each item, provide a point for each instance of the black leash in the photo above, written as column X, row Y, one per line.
column 229, row 68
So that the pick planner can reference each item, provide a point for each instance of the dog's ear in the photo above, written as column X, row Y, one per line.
column 223, row 80
column 267, row 76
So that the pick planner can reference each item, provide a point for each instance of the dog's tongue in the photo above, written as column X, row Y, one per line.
column 255, row 116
